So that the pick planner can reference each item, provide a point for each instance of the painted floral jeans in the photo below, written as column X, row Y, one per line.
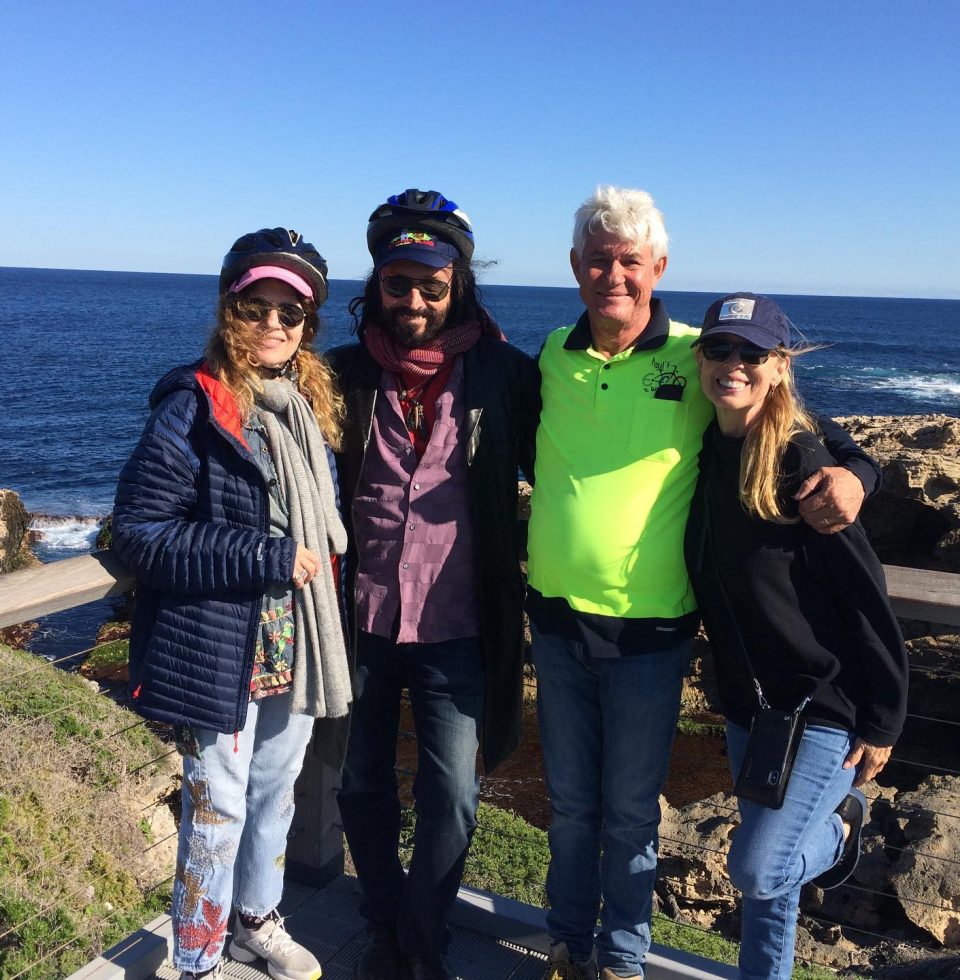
column 237, row 809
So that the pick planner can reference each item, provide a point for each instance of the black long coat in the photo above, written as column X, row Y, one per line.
column 502, row 391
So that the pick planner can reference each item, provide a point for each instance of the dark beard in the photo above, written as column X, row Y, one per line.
column 406, row 333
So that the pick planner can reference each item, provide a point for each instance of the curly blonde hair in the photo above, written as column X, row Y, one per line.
column 232, row 358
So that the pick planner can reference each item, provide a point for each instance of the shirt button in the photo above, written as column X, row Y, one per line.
column 606, row 367
column 405, row 565
column 413, row 527
column 407, row 451
column 604, row 386
column 416, row 486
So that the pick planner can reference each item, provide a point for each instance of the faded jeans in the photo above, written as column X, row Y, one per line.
column 237, row 809
column 775, row 852
column 606, row 728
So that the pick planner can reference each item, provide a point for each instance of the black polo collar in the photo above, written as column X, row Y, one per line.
column 654, row 335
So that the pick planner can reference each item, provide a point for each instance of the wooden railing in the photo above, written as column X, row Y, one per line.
column 915, row 593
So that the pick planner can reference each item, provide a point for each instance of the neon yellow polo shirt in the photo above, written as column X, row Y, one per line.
column 617, row 459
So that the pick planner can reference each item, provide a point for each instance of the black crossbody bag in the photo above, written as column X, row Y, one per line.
column 774, row 735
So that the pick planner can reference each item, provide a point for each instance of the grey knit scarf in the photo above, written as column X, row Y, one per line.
column 321, row 678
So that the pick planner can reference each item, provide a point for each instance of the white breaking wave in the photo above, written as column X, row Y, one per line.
column 924, row 386
column 66, row 533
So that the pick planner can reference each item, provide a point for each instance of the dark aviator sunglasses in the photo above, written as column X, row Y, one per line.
column 290, row 315
column 717, row 349
column 429, row 289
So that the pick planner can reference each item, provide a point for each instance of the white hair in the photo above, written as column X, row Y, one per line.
column 629, row 214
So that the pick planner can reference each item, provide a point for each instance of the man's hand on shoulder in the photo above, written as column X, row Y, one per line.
column 830, row 499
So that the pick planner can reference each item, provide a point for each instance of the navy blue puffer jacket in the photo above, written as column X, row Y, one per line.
column 191, row 519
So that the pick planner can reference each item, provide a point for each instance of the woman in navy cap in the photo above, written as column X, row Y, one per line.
column 803, row 636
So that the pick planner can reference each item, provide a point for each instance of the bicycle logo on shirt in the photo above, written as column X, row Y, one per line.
column 664, row 375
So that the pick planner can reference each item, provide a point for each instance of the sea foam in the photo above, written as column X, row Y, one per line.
column 62, row 534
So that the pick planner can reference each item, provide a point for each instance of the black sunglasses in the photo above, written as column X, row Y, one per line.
column 399, row 286
column 254, row 310
column 716, row 349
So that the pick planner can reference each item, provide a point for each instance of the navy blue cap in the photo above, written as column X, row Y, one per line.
column 758, row 319
column 417, row 246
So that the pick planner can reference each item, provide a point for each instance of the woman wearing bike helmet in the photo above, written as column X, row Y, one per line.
column 227, row 512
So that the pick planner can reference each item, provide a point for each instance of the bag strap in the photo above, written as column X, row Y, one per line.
column 707, row 545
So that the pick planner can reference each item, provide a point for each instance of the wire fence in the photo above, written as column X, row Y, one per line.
column 50, row 921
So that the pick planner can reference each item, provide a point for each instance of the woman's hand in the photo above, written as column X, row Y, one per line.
column 306, row 564
column 870, row 758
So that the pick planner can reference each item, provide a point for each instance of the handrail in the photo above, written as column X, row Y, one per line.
column 43, row 589
column 918, row 593
column 915, row 593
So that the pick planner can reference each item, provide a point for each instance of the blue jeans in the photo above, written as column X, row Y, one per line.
column 237, row 809
column 775, row 852
column 446, row 685
column 606, row 728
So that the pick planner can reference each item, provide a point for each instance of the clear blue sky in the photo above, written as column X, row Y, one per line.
column 793, row 147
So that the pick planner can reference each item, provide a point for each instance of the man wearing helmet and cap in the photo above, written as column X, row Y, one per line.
column 441, row 412
column 611, row 610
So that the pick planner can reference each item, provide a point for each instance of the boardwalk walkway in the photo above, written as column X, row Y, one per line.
column 494, row 938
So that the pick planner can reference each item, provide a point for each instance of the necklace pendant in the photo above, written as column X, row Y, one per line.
column 415, row 419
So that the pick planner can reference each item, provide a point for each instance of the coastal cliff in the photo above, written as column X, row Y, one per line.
column 14, row 522
column 915, row 518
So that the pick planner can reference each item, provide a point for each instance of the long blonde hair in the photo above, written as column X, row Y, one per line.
column 232, row 358
column 761, row 461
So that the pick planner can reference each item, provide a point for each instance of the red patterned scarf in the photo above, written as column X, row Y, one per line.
column 416, row 364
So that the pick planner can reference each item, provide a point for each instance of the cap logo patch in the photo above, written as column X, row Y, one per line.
column 413, row 238
column 737, row 309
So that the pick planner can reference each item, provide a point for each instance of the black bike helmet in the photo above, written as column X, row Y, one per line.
column 415, row 210
column 276, row 246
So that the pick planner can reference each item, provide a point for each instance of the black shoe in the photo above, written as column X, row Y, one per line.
column 419, row 968
column 380, row 957
column 852, row 811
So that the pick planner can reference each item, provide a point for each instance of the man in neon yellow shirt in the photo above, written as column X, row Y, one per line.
column 611, row 609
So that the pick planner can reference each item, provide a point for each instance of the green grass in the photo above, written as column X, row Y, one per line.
column 690, row 727
column 71, row 840
column 508, row 856
column 677, row 935
column 107, row 659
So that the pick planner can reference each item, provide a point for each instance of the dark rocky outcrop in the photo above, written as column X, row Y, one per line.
column 915, row 518
column 14, row 523
column 15, row 553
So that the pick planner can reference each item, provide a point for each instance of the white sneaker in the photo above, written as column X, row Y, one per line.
column 270, row 941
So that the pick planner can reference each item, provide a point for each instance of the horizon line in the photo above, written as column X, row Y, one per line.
column 944, row 297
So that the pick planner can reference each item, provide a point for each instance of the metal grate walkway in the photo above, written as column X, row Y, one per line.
column 493, row 938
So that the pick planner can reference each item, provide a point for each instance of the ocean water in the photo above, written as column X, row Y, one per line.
column 82, row 350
